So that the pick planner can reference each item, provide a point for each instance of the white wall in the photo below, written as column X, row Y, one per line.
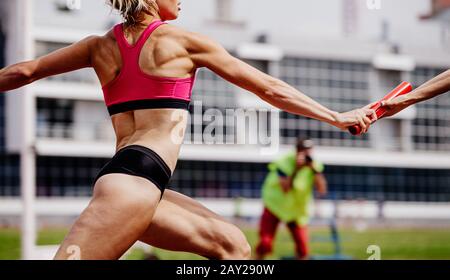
column 323, row 18
column 93, row 15
column 282, row 18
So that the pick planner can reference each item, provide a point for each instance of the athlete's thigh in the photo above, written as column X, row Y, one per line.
column 120, row 211
column 182, row 224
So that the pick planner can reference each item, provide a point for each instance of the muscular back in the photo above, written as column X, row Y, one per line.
column 162, row 55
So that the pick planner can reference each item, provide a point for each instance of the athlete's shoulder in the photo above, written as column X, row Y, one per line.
column 193, row 41
column 89, row 44
column 170, row 30
column 98, row 42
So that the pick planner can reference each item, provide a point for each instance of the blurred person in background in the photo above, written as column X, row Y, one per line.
column 434, row 87
column 287, row 197
column 147, row 68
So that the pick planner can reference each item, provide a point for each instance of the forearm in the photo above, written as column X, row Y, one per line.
column 205, row 53
column 434, row 87
column 271, row 90
column 321, row 184
column 287, row 98
column 15, row 76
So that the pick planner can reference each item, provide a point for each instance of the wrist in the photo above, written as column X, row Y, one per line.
column 333, row 118
column 413, row 98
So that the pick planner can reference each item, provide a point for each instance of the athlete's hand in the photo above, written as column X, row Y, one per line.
column 362, row 117
column 395, row 105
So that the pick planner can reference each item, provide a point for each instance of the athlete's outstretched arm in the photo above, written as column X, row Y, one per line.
column 73, row 57
column 205, row 52
column 434, row 87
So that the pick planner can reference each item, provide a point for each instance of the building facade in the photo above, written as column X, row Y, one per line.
column 406, row 158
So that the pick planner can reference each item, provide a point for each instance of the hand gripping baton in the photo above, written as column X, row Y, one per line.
column 401, row 89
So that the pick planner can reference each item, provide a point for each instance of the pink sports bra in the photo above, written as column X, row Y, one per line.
column 133, row 89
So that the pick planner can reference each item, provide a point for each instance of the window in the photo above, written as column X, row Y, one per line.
column 431, row 128
column 394, row 184
column 219, row 179
column 232, row 179
column 10, row 164
column 339, row 85
column 9, row 175
column 77, row 120
column 54, row 118
column 2, row 97
column 66, row 176
column 213, row 91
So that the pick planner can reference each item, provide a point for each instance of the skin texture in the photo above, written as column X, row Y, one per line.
column 434, row 87
column 126, row 208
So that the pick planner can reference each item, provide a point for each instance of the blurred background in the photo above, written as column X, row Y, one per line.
column 389, row 188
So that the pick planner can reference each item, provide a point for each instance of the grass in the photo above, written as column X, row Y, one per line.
column 394, row 243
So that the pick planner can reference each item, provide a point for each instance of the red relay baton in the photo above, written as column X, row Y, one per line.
column 401, row 89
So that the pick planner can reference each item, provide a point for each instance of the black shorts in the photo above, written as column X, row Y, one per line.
column 139, row 161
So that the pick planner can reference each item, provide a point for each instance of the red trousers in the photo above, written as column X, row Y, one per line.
column 268, row 226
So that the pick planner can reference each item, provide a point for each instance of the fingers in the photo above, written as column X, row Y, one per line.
column 367, row 121
column 364, row 120
column 371, row 113
column 360, row 115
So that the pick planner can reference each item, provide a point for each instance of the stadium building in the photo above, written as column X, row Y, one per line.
column 56, row 134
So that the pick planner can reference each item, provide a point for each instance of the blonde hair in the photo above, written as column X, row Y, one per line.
column 132, row 10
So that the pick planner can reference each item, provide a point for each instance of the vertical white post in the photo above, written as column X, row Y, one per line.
column 27, row 155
